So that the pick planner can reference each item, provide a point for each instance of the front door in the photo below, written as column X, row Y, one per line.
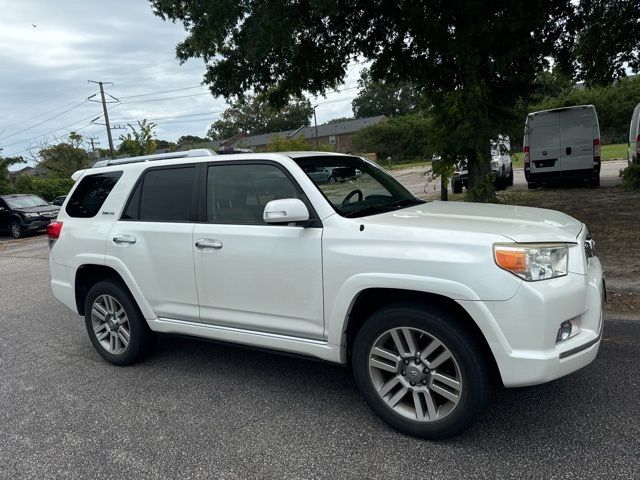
column 252, row 275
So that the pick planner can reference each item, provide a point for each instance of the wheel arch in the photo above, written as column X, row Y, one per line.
column 87, row 275
column 371, row 299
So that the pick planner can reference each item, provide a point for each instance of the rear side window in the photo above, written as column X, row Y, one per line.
column 163, row 195
column 90, row 194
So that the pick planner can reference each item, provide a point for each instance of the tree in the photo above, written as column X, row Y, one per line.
column 165, row 144
column 404, row 138
column 254, row 115
column 608, row 39
column 474, row 60
column 338, row 120
column 279, row 144
column 392, row 99
column 65, row 158
column 139, row 141
column 5, row 181
column 191, row 139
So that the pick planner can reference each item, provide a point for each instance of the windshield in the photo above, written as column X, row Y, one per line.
column 356, row 187
column 25, row 202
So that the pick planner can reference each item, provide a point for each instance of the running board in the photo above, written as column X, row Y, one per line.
column 272, row 341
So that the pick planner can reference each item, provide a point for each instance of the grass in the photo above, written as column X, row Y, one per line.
column 611, row 216
column 608, row 152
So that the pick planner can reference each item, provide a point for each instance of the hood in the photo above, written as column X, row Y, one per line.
column 43, row 209
column 520, row 224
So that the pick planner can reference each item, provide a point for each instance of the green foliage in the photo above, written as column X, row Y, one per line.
column 280, row 144
column 165, row 144
column 254, row 116
column 614, row 104
column 63, row 159
column 46, row 188
column 403, row 139
column 187, row 140
column 392, row 99
column 477, row 61
column 139, row 141
column 631, row 176
column 338, row 120
column 6, row 186
column 607, row 40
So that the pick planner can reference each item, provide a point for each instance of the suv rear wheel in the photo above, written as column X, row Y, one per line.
column 419, row 373
column 114, row 323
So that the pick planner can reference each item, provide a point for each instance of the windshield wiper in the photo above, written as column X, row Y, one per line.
column 405, row 202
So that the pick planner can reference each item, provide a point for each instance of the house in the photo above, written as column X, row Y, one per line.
column 337, row 136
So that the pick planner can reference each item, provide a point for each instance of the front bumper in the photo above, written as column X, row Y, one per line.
column 35, row 225
column 525, row 327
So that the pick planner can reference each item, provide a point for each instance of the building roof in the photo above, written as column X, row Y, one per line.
column 338, row 128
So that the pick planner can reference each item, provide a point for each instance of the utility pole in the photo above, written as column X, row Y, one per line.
column 106, row 114
column 315, row 122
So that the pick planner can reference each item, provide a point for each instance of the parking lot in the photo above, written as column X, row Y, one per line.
column 215, row 411
column 419, row 182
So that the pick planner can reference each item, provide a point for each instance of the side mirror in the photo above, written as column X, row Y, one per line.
column 286, row 210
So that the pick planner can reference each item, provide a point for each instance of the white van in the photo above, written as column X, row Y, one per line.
column 634, row 136
column 562, row 144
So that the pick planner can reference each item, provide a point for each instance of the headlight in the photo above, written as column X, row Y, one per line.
column 495, row 163
column 31, row 215
column 533, row 261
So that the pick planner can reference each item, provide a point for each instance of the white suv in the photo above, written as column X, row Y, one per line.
column 426, row 301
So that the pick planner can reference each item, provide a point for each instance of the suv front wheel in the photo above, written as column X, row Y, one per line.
column 419, row 372
column 117, row 329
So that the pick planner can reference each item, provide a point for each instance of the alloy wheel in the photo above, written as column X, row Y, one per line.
column 415, row 374
column 110, row 324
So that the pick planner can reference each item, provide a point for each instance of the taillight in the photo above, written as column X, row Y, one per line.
column 527, row 158
column 53, row 230
column 596, row 149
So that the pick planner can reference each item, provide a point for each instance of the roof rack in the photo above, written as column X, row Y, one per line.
column 198, row 152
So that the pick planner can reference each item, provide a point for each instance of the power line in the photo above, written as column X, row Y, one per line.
column 162, row 91
column 168, row 98
column 44, row 121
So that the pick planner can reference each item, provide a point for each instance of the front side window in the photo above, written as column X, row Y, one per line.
column 237, row 194
column 163, row 195
column 355, row 187
column 90, row 194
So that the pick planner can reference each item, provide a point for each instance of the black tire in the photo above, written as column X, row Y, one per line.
column 457, row 187
column 500, row 184
column 511, row 175
column 466, row 350
column 140, row 336
column 332, row 179
column 15, row 229
column 532, row 185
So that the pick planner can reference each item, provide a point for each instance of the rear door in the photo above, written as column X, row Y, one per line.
column 544, row 142
column 576, row 138
column 153, row 240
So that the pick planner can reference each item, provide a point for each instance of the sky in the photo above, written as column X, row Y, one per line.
column 49, row 49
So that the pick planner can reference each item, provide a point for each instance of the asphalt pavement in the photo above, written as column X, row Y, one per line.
column 202, row 410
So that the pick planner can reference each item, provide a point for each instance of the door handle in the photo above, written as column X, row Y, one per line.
column 205, row 243
column 130, row 239
column 568, row 150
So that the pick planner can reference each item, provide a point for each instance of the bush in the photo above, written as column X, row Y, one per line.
column 631, row 176
column 46, row 188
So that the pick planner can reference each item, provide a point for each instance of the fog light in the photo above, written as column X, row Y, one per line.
column 564, row 332
column 568, row 329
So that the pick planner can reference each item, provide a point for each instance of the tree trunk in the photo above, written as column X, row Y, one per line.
column 481, row 187
column 444, row 192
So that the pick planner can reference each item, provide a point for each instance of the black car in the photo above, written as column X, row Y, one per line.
column 21, row 214
column 59, row 200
